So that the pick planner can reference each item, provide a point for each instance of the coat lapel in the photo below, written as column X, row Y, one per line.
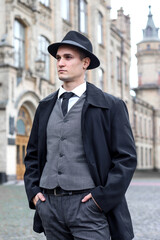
column 94, row 97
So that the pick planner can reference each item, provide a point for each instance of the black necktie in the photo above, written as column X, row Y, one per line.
column 66, row 96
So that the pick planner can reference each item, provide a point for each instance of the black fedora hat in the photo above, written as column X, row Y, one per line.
column 76, row 39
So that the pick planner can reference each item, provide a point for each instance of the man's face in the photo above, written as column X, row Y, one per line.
column 70, row 66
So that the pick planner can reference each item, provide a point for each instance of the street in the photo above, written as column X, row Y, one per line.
column 143, row 198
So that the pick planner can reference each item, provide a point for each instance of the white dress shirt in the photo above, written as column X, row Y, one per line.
column 78, row 91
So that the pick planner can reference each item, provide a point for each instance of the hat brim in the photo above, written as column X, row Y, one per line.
column 52, row 49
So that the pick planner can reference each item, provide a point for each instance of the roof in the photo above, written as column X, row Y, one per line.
column 150, row 32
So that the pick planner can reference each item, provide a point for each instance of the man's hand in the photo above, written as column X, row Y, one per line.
column 37, row 197
column 87, row 197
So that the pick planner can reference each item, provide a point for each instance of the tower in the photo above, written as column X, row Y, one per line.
column 148, row 63
column 147, row 101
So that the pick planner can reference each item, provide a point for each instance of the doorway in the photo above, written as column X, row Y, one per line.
column 24, row 124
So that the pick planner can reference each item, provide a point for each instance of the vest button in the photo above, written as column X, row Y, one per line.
column 62, row 138
column 59, row 172
column 61, row 154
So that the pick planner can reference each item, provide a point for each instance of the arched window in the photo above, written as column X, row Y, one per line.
column 23, row 122
column 43, row 55
column 19, row 44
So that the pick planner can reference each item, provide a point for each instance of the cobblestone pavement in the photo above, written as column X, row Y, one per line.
column 143, row 198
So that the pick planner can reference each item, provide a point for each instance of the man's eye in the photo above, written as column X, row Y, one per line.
column 58, row 58
column 68, row 57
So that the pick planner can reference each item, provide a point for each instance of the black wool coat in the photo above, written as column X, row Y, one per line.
column 110, row 153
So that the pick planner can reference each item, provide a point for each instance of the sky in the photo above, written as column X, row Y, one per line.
column 138, row 11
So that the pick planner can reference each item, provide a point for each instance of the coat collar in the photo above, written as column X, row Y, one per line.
column 96, row 97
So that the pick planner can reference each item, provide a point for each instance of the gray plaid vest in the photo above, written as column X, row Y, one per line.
column 66, row 164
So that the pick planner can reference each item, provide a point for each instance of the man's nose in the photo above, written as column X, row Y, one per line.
column 61, row 62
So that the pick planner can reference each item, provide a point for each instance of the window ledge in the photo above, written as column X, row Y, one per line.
column 45, row 79
column 45, row 6
column 84, row 33
column 101, row 45
column 67, row 22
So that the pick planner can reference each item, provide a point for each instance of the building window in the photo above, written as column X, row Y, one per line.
column 145, row 127
column 142, row 163
column 125, row 73
column 12, row 89
column 159, row 78
column 100, row 28
column 148, row 47
column 18, row 154
column 20, row 127
column 45, row 2
column 140, row 127
column 43, row 55
column 149, row 32
column 19, row 44
column 65, row 9
column 83, row 16
column 101, row 78
column 139, row 79
column 137, row 151
column 146, row 157
column 11, row 125
column 112, row 64
column 86, row 76
column 118, row 68
column 150, row 129
column 150, row 156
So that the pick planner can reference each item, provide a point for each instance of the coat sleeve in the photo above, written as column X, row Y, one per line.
column 123, row 160
column 31, row 176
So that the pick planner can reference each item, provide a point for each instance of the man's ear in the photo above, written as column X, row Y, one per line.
column 86, row 62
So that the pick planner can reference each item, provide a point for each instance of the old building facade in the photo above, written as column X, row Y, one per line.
column 25, row 77
column 28, row 73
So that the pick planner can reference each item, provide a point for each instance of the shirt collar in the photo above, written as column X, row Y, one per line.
column 78, row 91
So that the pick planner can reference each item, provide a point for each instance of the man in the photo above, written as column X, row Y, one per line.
column 81, row 154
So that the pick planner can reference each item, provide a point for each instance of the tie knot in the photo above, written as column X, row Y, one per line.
column 67, row 95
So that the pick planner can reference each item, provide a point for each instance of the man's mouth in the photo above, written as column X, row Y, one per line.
column 61, row 71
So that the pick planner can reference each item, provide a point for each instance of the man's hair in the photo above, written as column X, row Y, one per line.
column 81, row 53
